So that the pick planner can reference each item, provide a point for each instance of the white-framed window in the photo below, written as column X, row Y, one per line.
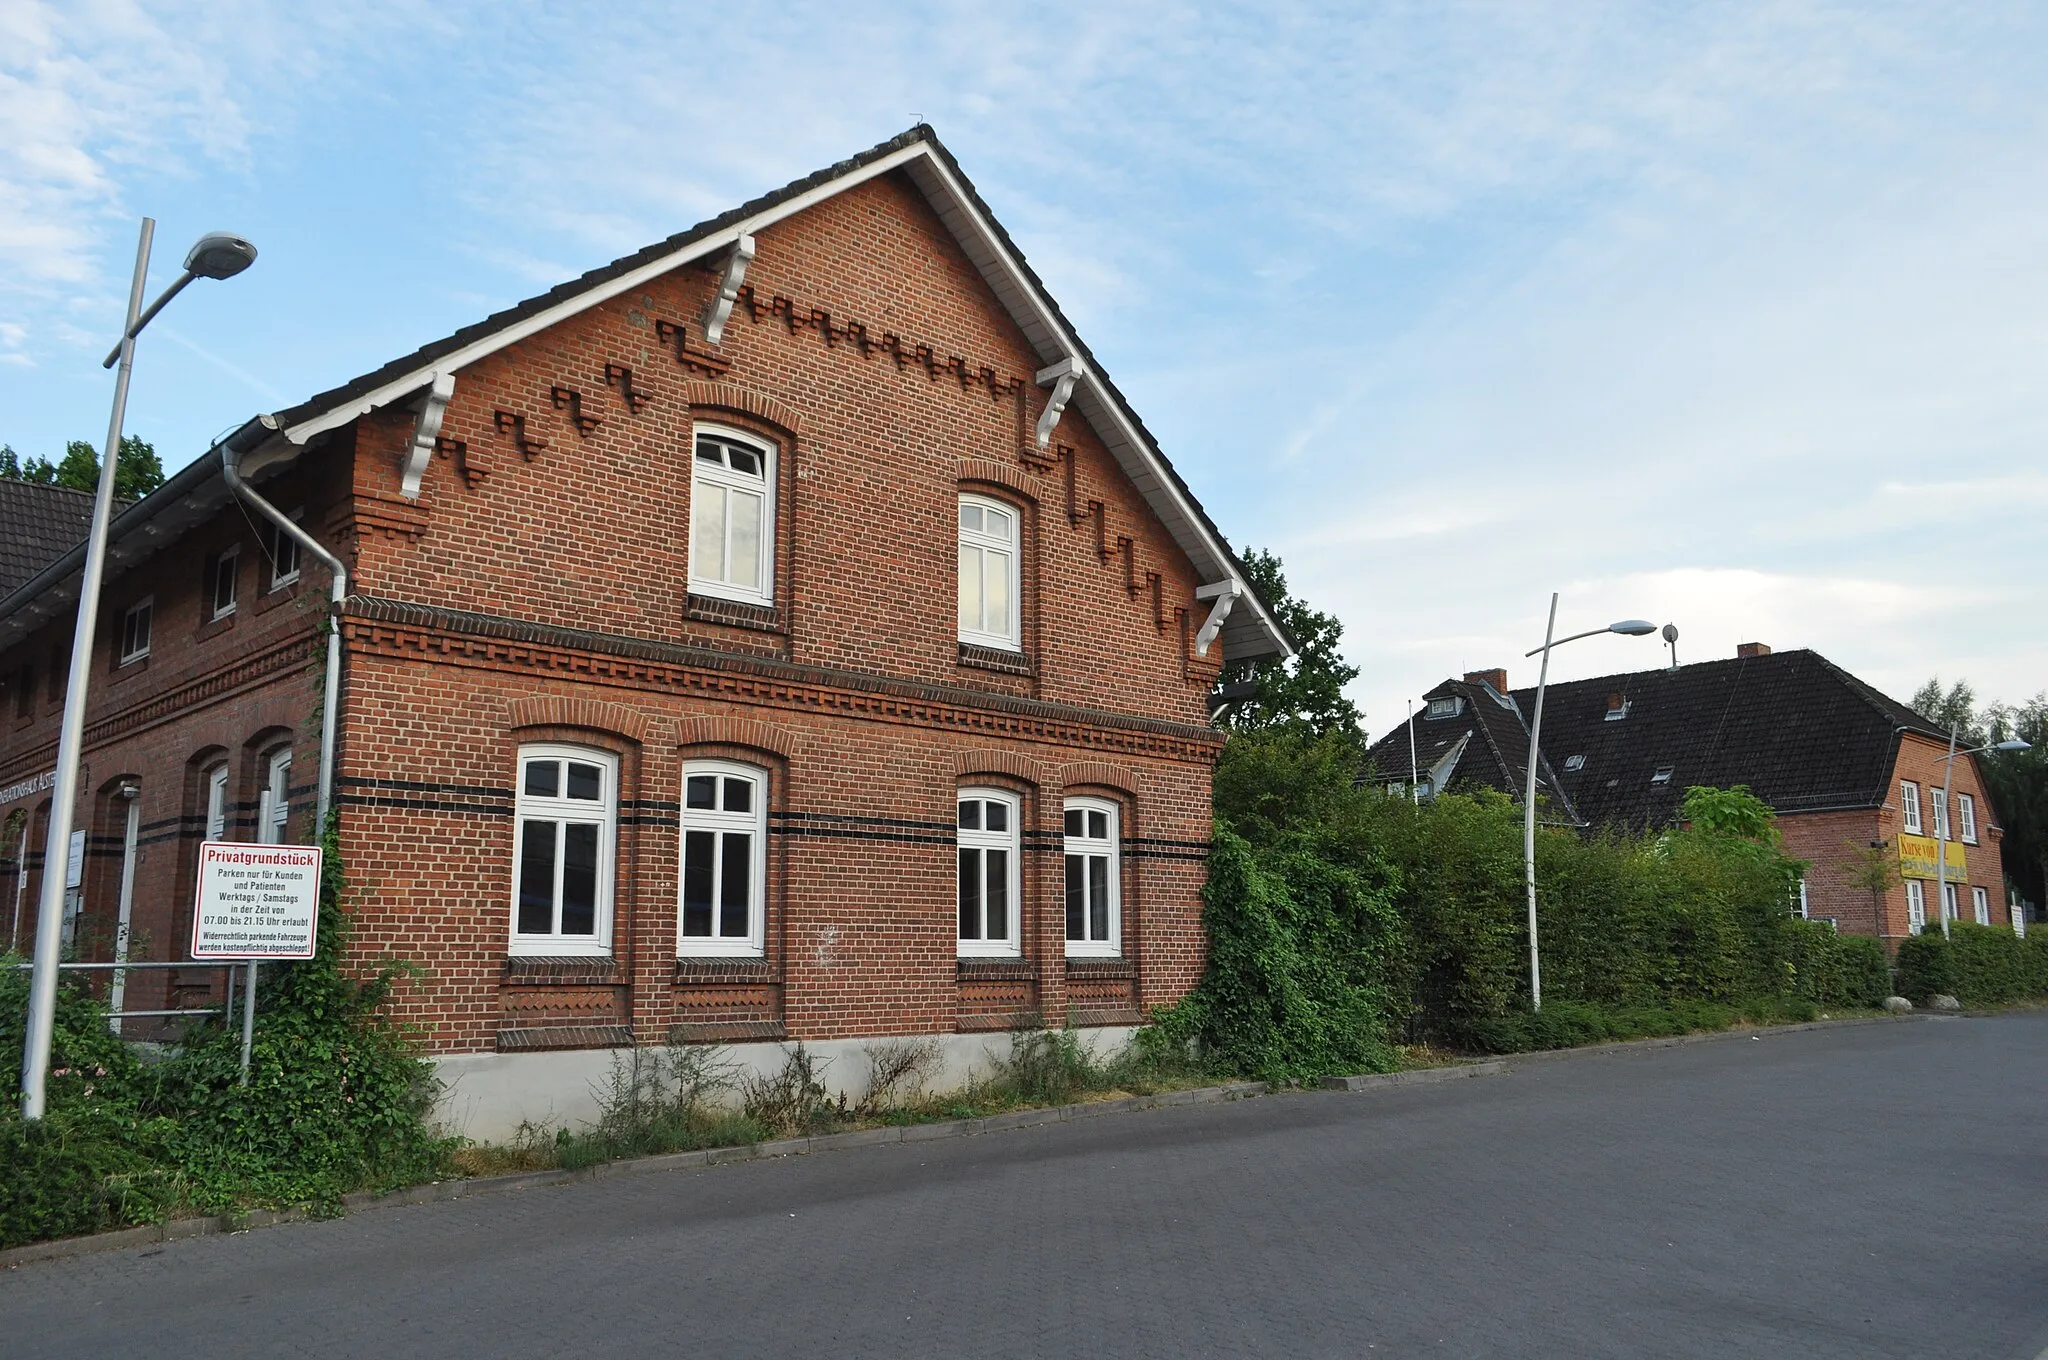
column 2017, row 914
column 1951, row 907
column 1909, row 806
column 135, row 626
column 1916, row 906
column 721, row 909
column 284, row 556
column 217, row 803
column 988, row 837
column 989, row 590
column 1447, row 706
column 1094, row 890
column 1980, row 899
column 227, row 570
column 565, row 820
column 276, row 807
column 732, row 516
column 1805, row 910
column 1966, row 817
column 1937, row 804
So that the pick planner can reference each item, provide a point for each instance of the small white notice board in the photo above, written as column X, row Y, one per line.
column 256, row 901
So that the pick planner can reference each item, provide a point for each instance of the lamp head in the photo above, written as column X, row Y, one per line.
column 2016, row 744
column 219, row 255
column 1633, row 627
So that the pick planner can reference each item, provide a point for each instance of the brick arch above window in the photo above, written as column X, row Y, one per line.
column 967, row 764
column 722, row 731
column 733, row 397
column 1100, row 775
column 990, row 473
column 552, row 710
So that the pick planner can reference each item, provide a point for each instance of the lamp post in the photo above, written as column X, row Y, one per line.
column 1630, row 627
column 1941, row 829
column 217, row 255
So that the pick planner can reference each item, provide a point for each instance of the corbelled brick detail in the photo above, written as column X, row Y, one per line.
column 733, row 397
column 554, row 710
column 725, row 731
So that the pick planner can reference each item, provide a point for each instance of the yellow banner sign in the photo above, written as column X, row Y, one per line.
column 1919, row 858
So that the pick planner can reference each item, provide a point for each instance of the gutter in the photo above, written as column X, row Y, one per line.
column 249, row 438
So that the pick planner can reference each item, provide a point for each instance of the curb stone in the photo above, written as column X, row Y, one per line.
column 439, row 1192
column 1421, row 1076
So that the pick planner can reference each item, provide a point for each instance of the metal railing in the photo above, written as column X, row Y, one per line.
column 225, row 1009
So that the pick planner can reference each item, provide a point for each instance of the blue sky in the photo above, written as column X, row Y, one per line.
column 1730, row 315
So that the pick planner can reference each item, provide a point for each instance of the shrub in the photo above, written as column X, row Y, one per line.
column 1927, row 967
column 1978, row 965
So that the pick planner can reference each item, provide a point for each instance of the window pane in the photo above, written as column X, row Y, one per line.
column 1098, row 897
column 1098, row 825
column 701, row 791
column 734, row 884
column 739, row 795
column 543, row 778
column 744, row 567
column 1076, row 894
column 1075, row 819
column 996, row 569
column 970, row 814
column 997, row 525
column 743, row 460
column 970, row 892
column 698, row 866
column 585, row 781
column 970, row 589
column 997, row 817
column 536, row 878
column 579, row 878
column 970, row 517
column 707, row 532
column 708, row 452
column 998, row 892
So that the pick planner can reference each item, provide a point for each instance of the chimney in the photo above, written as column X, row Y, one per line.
column 1752, row 649
column 1497, row 678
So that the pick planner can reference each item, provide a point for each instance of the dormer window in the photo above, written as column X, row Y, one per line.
column 1573, row 764
column 1450, row 706
column 1663, row 775
column 1617, row 707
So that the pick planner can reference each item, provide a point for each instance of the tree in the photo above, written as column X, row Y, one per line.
column 1954, row 707
column 1305, row 693
column 2018, row 784
column 140, row 471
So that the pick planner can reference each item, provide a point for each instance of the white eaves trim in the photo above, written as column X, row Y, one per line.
column 604, row 292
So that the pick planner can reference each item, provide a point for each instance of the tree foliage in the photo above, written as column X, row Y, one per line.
column 2016, row 780
column 1305, row 692
column 138, row 473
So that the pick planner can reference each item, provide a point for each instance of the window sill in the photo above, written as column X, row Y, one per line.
column 124, row 670
column 994, row 968
column 762, row 618
column 213, row 628
column 271, row 599
column 1100, row 966
column 723, row 968
column 557, row 951
column 994, row 659
column 533, row 970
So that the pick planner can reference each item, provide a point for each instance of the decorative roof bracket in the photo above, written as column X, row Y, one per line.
column 1225, row 594
column 1062, row 375
column 719, row 310
column 439, row 389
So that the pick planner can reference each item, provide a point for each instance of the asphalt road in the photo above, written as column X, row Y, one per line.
column 1870, row 1191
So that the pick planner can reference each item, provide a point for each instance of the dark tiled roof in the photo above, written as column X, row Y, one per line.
column 1801, row 732
column 1495, row 756
column 37, row 524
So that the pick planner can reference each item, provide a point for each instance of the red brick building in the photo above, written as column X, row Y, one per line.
column 1855, row 776
column 784, row 632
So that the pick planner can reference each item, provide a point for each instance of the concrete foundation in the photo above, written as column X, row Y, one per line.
column 487, row 1096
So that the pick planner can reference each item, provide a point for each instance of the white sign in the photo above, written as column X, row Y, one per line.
column 256, row 901
column 74, row 864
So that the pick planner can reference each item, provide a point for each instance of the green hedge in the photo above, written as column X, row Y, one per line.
column 1977, row 965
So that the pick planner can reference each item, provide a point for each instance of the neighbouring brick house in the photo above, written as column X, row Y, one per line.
column 784, row 632
column 1848, row 770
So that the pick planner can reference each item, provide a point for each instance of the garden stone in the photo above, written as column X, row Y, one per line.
column 1897, row 1005
column 1940, row 1002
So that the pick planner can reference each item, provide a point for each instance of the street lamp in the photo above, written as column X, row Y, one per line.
column 217, row 255
column 1629, row 627
column 1948, row 773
